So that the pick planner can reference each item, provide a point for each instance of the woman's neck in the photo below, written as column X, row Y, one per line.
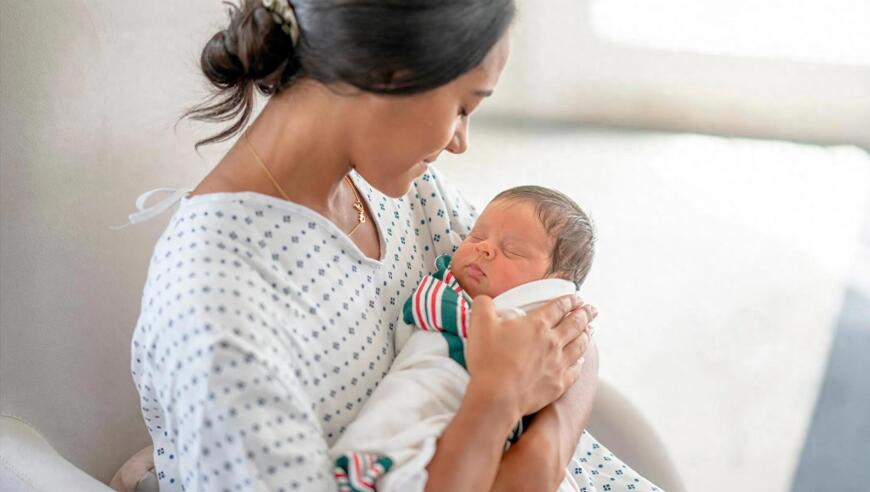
column 299, row 138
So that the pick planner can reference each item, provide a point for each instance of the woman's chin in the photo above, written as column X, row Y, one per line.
column 399, row 186
column 394, row 189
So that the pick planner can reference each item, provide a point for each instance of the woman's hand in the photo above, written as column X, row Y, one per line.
column 548, row 444
column 517, row 367
column 528, row 362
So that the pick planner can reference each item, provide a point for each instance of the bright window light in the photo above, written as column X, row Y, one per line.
column 830, row 31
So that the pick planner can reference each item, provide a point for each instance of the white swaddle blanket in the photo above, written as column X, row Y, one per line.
column 408, row 411
column 411, row 408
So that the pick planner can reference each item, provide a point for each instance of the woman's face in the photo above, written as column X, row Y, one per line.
column 507, row 247
column 396, row 137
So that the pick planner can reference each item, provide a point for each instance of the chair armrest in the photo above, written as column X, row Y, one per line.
column 28, row 463
column 619, row 425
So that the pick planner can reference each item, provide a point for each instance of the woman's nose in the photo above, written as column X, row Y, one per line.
column 459, row 142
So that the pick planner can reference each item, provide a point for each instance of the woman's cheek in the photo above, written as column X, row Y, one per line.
column 440, row 133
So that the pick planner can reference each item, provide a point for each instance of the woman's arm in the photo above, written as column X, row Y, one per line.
column 470, row 449
column 537, row 461
column 517, row 367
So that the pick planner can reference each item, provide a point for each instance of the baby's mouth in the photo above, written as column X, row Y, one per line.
column 474, row 271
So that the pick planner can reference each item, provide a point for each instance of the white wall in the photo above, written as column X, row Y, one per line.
column 720, row 270
column 561, row 68
column 90, row 93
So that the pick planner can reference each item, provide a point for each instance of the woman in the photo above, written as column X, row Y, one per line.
column 271, row 299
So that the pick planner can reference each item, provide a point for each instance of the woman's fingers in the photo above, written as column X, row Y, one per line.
column 484, row 308
column 593, row 313
column 574, row 324
column 575, row 349
column 552, row 312
column 573, row 373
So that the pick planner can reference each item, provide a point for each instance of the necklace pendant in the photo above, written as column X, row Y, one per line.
column 361, row 212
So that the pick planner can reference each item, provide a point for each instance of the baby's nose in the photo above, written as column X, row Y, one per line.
column 484, row 249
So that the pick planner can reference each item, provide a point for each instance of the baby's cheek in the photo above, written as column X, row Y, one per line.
column 520, row 275
column 460, row 257
column 498, row 282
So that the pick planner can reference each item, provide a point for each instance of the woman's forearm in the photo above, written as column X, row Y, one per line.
column 470, row 450
column 537, row 461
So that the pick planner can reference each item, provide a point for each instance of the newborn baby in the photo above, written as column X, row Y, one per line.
column 524, row 234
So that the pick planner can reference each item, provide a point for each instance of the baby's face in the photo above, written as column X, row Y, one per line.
column 507, row 247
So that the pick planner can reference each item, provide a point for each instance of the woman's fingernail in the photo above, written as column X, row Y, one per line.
column 581, row 360
column 590, row 312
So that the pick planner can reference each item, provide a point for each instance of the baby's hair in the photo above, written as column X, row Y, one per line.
column 565, row 222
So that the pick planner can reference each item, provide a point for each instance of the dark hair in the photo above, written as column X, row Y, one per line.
column 391, row 47
column 564, row 221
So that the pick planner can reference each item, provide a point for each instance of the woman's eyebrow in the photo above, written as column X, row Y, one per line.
column 483, row 93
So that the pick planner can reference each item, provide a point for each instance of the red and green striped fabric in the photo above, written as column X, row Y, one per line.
column 440, row 305
column 357, row 472
column 437, row 305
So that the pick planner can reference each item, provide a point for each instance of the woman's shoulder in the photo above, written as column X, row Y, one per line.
column 448, row 215
column 223, row 234
column 217, row 264
column 433, row 190
column 207, row 222
column 226, row 213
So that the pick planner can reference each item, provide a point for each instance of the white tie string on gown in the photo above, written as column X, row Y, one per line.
column 144, row 213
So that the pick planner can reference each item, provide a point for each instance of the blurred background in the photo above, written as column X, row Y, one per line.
column 720, row 146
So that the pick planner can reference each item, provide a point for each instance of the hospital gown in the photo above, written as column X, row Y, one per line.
column 264, row 330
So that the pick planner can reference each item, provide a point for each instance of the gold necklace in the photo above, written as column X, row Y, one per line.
column 357, row 204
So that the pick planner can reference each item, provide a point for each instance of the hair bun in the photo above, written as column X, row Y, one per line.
column 252, row 49
column 220, row 61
